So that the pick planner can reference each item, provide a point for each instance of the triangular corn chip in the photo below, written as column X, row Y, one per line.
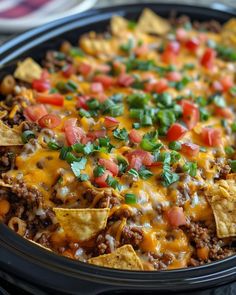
column 222, row 198
column 118, row 25
column 149, row 22
column 122, row 258
column 82, row 224
column 3, row 184
column 28, row 70
column 9, row 136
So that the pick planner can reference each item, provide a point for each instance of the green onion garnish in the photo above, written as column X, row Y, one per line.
column 130, row 199
column 27, row 135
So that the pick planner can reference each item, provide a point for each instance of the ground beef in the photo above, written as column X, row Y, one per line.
column 160, row 261
column 55, row 61
column 105, row 244
column 202, row 236
column 132, row 235
column 108, row 201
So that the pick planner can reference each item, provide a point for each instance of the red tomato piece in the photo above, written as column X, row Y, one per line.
column 68, row 70
column 174, row 76
column 173, row 47
column 226, row 83
column 211, row 136
column 35, row 112
column 93, row 135
column 111, row 122
column 192, row 44
column 50, row 121
column 84, row 69
column 125, row 80
column 41, row 85
column 208, row 58
column 73, row 133
column 135, row 136
column 176, row 216
column 161, row 85
column 81, row 101
column 119, row 68
column 54, row 99
column 97, row 87
column 181, row 35
column 190, row 113
column 110, row 166
column 106, row 80
column 138, row 158
column 101, row 180
column 190, row 149
column 101, row 97
column 103, row 68
column 224, row 112
column 168, row 57
column 175, row 132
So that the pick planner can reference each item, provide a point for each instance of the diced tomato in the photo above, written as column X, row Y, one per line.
column 45, row 75
column 84, row 69
column 181, row 35
column 119, row 68
column 50, row 121
column 208, row 58
column 161, row 85
column 41, row 85
column 190, row 113
column 93, row 135
column 135, row 136
column 211, row 136
column 174, row 76
column 35, row 112
column 101, row 180
column 68, row 70
column 176, row 216
column 81, row 101
column 54, row 99
column 73, row 133
column 141, row 50
column 106, row 80
column 190, row 149
column 168, row 57
column 224, row 112
column 101, row 96
column 173, row 46
column 192, row 44
column 175, row 132
column 111, row 122
column 149, row 86
column 125, row 80
column 103, row 68
column 96, row 87
column 109, row 165
column 138, row 158
column 226, row 83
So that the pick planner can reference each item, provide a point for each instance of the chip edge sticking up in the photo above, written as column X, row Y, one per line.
column 28, row 70
column 9, row 136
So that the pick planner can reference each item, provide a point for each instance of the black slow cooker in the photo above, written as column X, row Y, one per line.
column 29, row 269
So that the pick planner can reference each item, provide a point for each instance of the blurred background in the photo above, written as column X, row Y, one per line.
column 17, row 16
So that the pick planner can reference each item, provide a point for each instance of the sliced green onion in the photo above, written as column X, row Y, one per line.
column 63, row 152
column 146, row 120
column 53, row 145
column 233, row 165
column 98, row 171
column 175, row 145
column 27, row 135
column 229, row 150
column 93, row 104
column 190, row 168
column 130, row 199
column 134, row 173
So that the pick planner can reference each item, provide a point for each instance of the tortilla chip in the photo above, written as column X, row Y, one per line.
column 228, row 33
column 122, row 258
column 3, row 114
column 3, row 184
column 46, row 248
column 9, row 136
column 28, row 70
column 118, row 25
column 82, row 224
column 151, row 23
column 222, row 198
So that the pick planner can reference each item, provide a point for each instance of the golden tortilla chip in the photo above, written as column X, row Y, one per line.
column 28, row 70
column 122, row 258
column 3, row 184
column 151, row 23
column 118, row 25
column 82, row 224
column 9, row 136
column 222, row 198
column 3, row 114
column 228, row 33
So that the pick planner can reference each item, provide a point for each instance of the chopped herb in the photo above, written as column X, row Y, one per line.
column 132, row 24
column 52, row 145
column 149, row 145
column 164, row 99
column 98, row 171
column 84, row 113
column 189, row 66
column 69, row 97
column 233, row 165
column 233, row 90
column 174, row 157
column 53, row 90
column 27, row 135
column 64, row 151
column 75, row 51
column 229, row 150
column 136, row 113
column 204, row 114
column 78, row 165
column 190, row 168
column 162, row 130
column 166, row 117
column 120, row 134
column 70, row 158
column 130, row 199
column 138, row 100
column 71, row 85
column 136, row 125
column 127, row 47
column 224, row 123
column 224, row 52
column 203, row 149
column 117, row 97
column 93, row 104
column 145, row 173
column 175, row 145
column 111, row 181
column 233, row 127
column 219, row 101
column 201, row 101
column 134, row 173
column 86, row 149
column 168, row 177
column 146, row 120
column 83, row 177
column 122, row 164
column 117, row 110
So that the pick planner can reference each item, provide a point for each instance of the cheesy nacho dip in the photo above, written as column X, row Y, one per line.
column 120, row 152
